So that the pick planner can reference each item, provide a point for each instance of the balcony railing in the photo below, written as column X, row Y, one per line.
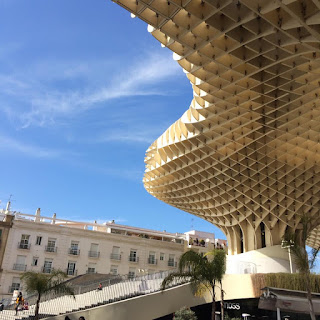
column 74, row 251
column 131, row 275
column 51, row 249
column 197, row 243
column 152, row 260
column 71, row 272
column 47, row 269
column 23, row 245
column 94, row 254
column 115, row 256
column 133, row 259
column 172, row 263
column 19, row 267
column 14, row 287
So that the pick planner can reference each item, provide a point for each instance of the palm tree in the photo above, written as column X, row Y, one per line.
column 219, row 259
column 304, row 262
column 39, row 284
column 202, row 271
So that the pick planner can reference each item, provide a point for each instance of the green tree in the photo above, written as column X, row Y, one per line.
column 185, row 314
column 202, row 271
column 39, row 284
column 304, row 262
column 220, row 268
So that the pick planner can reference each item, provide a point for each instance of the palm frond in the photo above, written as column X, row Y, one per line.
column 40, row 283
column 202, row 271
column 184, row 276
column 35, row 282
column 313, row 258
column 190, row 260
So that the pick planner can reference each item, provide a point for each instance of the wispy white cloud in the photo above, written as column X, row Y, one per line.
column 44, row 103
column 131, row 174
column 13, row 145
column 145, row 135
column 127, row 137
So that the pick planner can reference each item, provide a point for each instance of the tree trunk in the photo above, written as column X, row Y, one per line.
column 222, row 301
column 306, row 274
column 213, row 307
column 309, row 297
column 36, row 312
column 312, row 315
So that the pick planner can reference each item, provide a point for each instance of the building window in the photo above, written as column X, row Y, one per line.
column 114, row 270
column 133, row 255
column 161, row 256
column 115, row 255
column 15, row 284
column 74, row 248
column 35, row 261
column 171, row 262
column 20, row 264
column 38, row 241
column 92, row 268
column 94, row 250
column 47, row 267
column 71, row 270
column 24, row 243
column 152, row 258
column 51, row 246
column 132, row 273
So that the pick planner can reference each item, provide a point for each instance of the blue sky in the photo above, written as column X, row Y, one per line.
column 84, row 90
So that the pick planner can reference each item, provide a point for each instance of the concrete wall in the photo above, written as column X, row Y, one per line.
column 265, row 260
column 236, row 286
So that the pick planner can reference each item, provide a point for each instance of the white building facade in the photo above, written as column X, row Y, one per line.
column 41, row 244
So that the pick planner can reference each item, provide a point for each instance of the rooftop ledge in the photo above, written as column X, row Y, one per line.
column 110, row 227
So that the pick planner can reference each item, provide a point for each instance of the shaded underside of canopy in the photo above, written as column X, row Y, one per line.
column 245, row 156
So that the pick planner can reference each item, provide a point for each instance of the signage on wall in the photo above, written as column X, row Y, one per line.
column 231, row 305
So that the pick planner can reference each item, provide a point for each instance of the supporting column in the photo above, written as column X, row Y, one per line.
column 278, row 314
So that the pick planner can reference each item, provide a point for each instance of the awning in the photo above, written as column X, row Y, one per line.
column 288, row 300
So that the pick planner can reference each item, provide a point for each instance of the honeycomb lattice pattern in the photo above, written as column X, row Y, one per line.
column 246, row 154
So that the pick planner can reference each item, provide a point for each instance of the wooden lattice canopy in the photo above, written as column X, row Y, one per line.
column 246, row 154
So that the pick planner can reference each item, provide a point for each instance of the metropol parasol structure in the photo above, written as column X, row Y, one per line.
column 245, row 155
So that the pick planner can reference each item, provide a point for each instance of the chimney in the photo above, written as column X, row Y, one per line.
column 8, row 207
column 37, row 219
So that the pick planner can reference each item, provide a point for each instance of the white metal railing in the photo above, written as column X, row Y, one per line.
column 120, row 289
column 93, row 254
column 51, row 249
column 133, row 258
column 19, row 267
column 23, row 245
column 47, row 269
column 152, row 260
column 115, row 256
column 74, row 251
column 245, row 267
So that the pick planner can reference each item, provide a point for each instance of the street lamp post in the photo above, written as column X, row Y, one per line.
column 287, row 245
